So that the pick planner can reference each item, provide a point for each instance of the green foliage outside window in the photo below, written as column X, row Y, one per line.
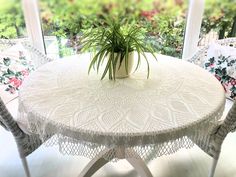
column 164, row 20
column 220, row 15
column 11, row 19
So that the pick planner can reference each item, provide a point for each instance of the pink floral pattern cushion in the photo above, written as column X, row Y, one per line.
column 221, row 62
column 14, row 67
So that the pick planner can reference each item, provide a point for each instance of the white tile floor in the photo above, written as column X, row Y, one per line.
column 48, row 162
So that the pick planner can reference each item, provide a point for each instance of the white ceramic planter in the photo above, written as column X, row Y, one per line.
column 121, row 71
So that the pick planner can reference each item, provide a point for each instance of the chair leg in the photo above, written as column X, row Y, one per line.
column 213, row 167
column 25, row 165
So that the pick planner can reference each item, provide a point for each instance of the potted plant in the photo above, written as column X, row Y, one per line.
column 114, row 43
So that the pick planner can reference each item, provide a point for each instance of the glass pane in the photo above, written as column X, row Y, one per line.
column 12, row 23
column 219, row 21
column 64, row 22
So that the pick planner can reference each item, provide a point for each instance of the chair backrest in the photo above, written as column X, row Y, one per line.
column 35, row 53
column 200, row 56
column 41, row 58
column 229, row 123
column 6, row 119
column 6, row 43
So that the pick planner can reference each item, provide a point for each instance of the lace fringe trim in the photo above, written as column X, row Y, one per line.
column 148, row 146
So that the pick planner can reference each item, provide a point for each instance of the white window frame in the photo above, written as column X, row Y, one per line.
column 33, row 24
column 193, row 27
column 191, row 37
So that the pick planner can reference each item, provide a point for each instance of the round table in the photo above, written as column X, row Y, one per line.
column 133, row 118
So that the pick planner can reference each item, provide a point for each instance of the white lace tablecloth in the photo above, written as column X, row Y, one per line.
column 155, row 116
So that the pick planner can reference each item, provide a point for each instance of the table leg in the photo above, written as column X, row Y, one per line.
column 95, row 164
column 139, row 165
column 99, row 161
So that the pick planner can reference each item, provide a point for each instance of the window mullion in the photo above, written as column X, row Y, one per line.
column 33, row 24
column 192, row 31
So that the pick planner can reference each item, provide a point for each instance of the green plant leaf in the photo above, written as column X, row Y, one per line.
column 107, row 68
column 126, row 59
column 148, row 67
column 93, row 62
column 101, row 56
column 138, row 63
column 115, row 37
column 114, row 64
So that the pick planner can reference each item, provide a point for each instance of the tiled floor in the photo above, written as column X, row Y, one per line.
column 48, row 162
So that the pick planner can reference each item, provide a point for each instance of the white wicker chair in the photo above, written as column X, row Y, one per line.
column 200, row 56
column 26, row 143
column 42, row 59
column 214, row 140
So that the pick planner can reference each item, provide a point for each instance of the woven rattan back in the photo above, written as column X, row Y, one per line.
column 200, row 56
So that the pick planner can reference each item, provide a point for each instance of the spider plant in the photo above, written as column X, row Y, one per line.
column 112, row 43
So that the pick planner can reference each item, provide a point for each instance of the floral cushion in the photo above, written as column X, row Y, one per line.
column 15, row 65
column 221, row 61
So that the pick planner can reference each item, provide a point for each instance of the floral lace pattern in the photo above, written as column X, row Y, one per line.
column 224, row 69
column 153, row 117
column 14, row 70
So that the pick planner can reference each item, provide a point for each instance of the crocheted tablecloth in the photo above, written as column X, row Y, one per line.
column 178, row 104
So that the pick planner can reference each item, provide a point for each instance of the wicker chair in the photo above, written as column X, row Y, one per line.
column 200, row 56
column 6, row 43
column 215, row 140
column 26, row 143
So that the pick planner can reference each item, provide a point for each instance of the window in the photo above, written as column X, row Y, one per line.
column 12, row 23
column 219, row 21
column 64, row 21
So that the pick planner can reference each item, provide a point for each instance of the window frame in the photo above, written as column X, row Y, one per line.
column 193, row 27
column 191, row 36
column 33, row 24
